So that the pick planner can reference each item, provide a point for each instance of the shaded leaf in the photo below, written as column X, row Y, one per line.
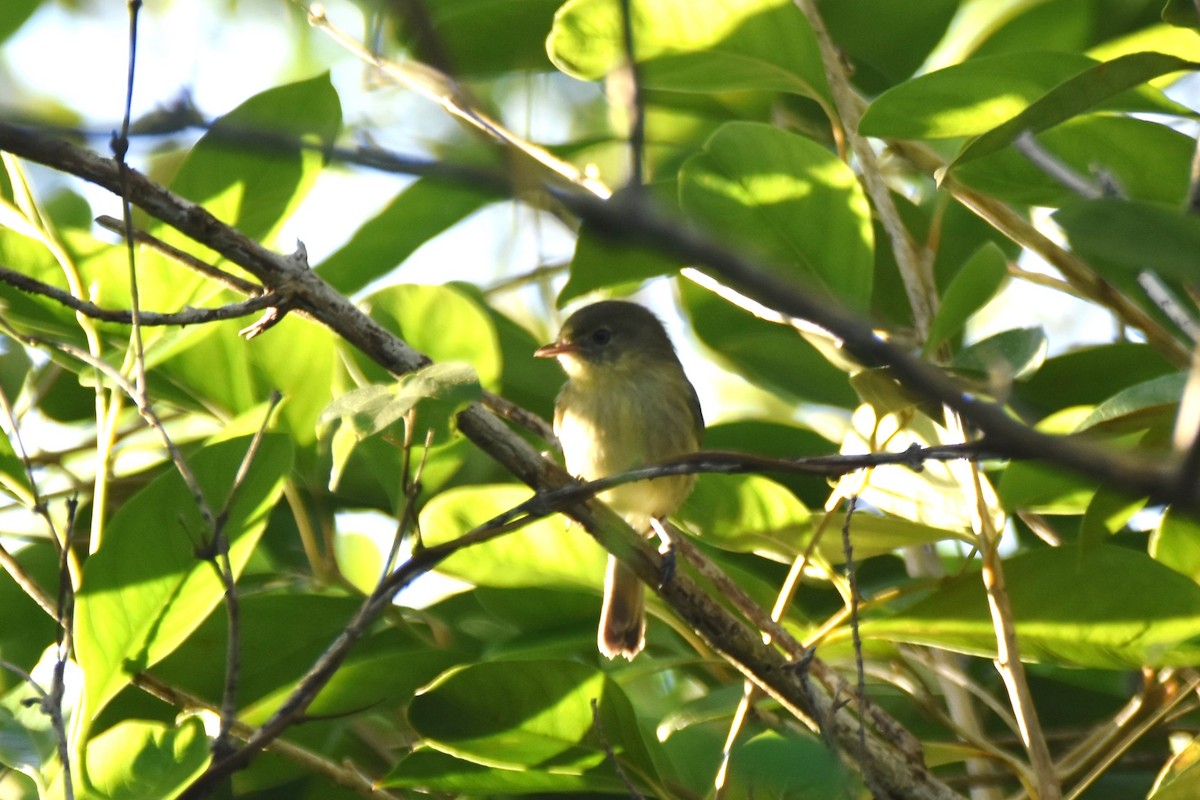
column 601, row 261
column 1148, row 161
column 973, row 285
column 772, row 356
column 886, row 41
column 1134, row 236
column 1008, row 355
column 454, row 34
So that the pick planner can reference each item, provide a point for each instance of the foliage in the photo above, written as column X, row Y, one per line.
column 997, row 130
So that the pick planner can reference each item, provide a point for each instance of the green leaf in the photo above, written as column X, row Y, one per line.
column 436, row 392
column 772, row 356
column 1133, row 236
column 441, row 390
column 1123, row 611
column 813, row 769
column 601, row 261
column 443, row 323
column 972, row 286
column 544, row 553
column 976, row 96
column 254, row 187
column 1148, row 161
column 1090, row 374
column 789, row 199
column 463, row 32
column 14, row 16
column 423, row 210
column 1182, row 13
column 1134, row 404
column 886, row 41
column 1081, row 93
column 430, row 770
column 136, row 759
column 1176, row 543
column 1043, row 489
column 513, row 714
column 694, row 45
column 748, row 514
column 145, row 591
column 1008, row 355
column 283, row 633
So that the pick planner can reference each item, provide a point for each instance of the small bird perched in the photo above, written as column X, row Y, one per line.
column 626, row 403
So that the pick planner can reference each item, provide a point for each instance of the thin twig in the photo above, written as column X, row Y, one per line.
column 217, row 552
column 856, row 637
column 120, row 146
column 191, row 316
column 440, row 88
column 610, row 754
column 632, row 90
column 186, row 259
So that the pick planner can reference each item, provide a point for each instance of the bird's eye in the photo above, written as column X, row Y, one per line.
column 602, row 336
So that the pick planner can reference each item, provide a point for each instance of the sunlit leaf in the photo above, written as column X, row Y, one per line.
column 136, row 759
column 1083, row 92
column 243, row 177
column 788, row 199
column 693, row 45
column 528, row 714
column 146, row 590
column 547, row 552
column 441, row 322
column 1176, row 543
column 1124, row 610
column 974, row 97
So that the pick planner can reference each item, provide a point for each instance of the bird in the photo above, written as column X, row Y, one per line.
column 627, row 402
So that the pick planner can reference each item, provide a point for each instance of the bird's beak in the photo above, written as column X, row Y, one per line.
column 555, row 349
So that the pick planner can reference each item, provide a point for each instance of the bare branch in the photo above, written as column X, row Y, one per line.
column 191, row 316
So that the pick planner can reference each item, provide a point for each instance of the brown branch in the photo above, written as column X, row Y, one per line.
column 190, row 316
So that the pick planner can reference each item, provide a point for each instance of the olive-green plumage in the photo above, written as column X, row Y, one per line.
column 627, row 402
